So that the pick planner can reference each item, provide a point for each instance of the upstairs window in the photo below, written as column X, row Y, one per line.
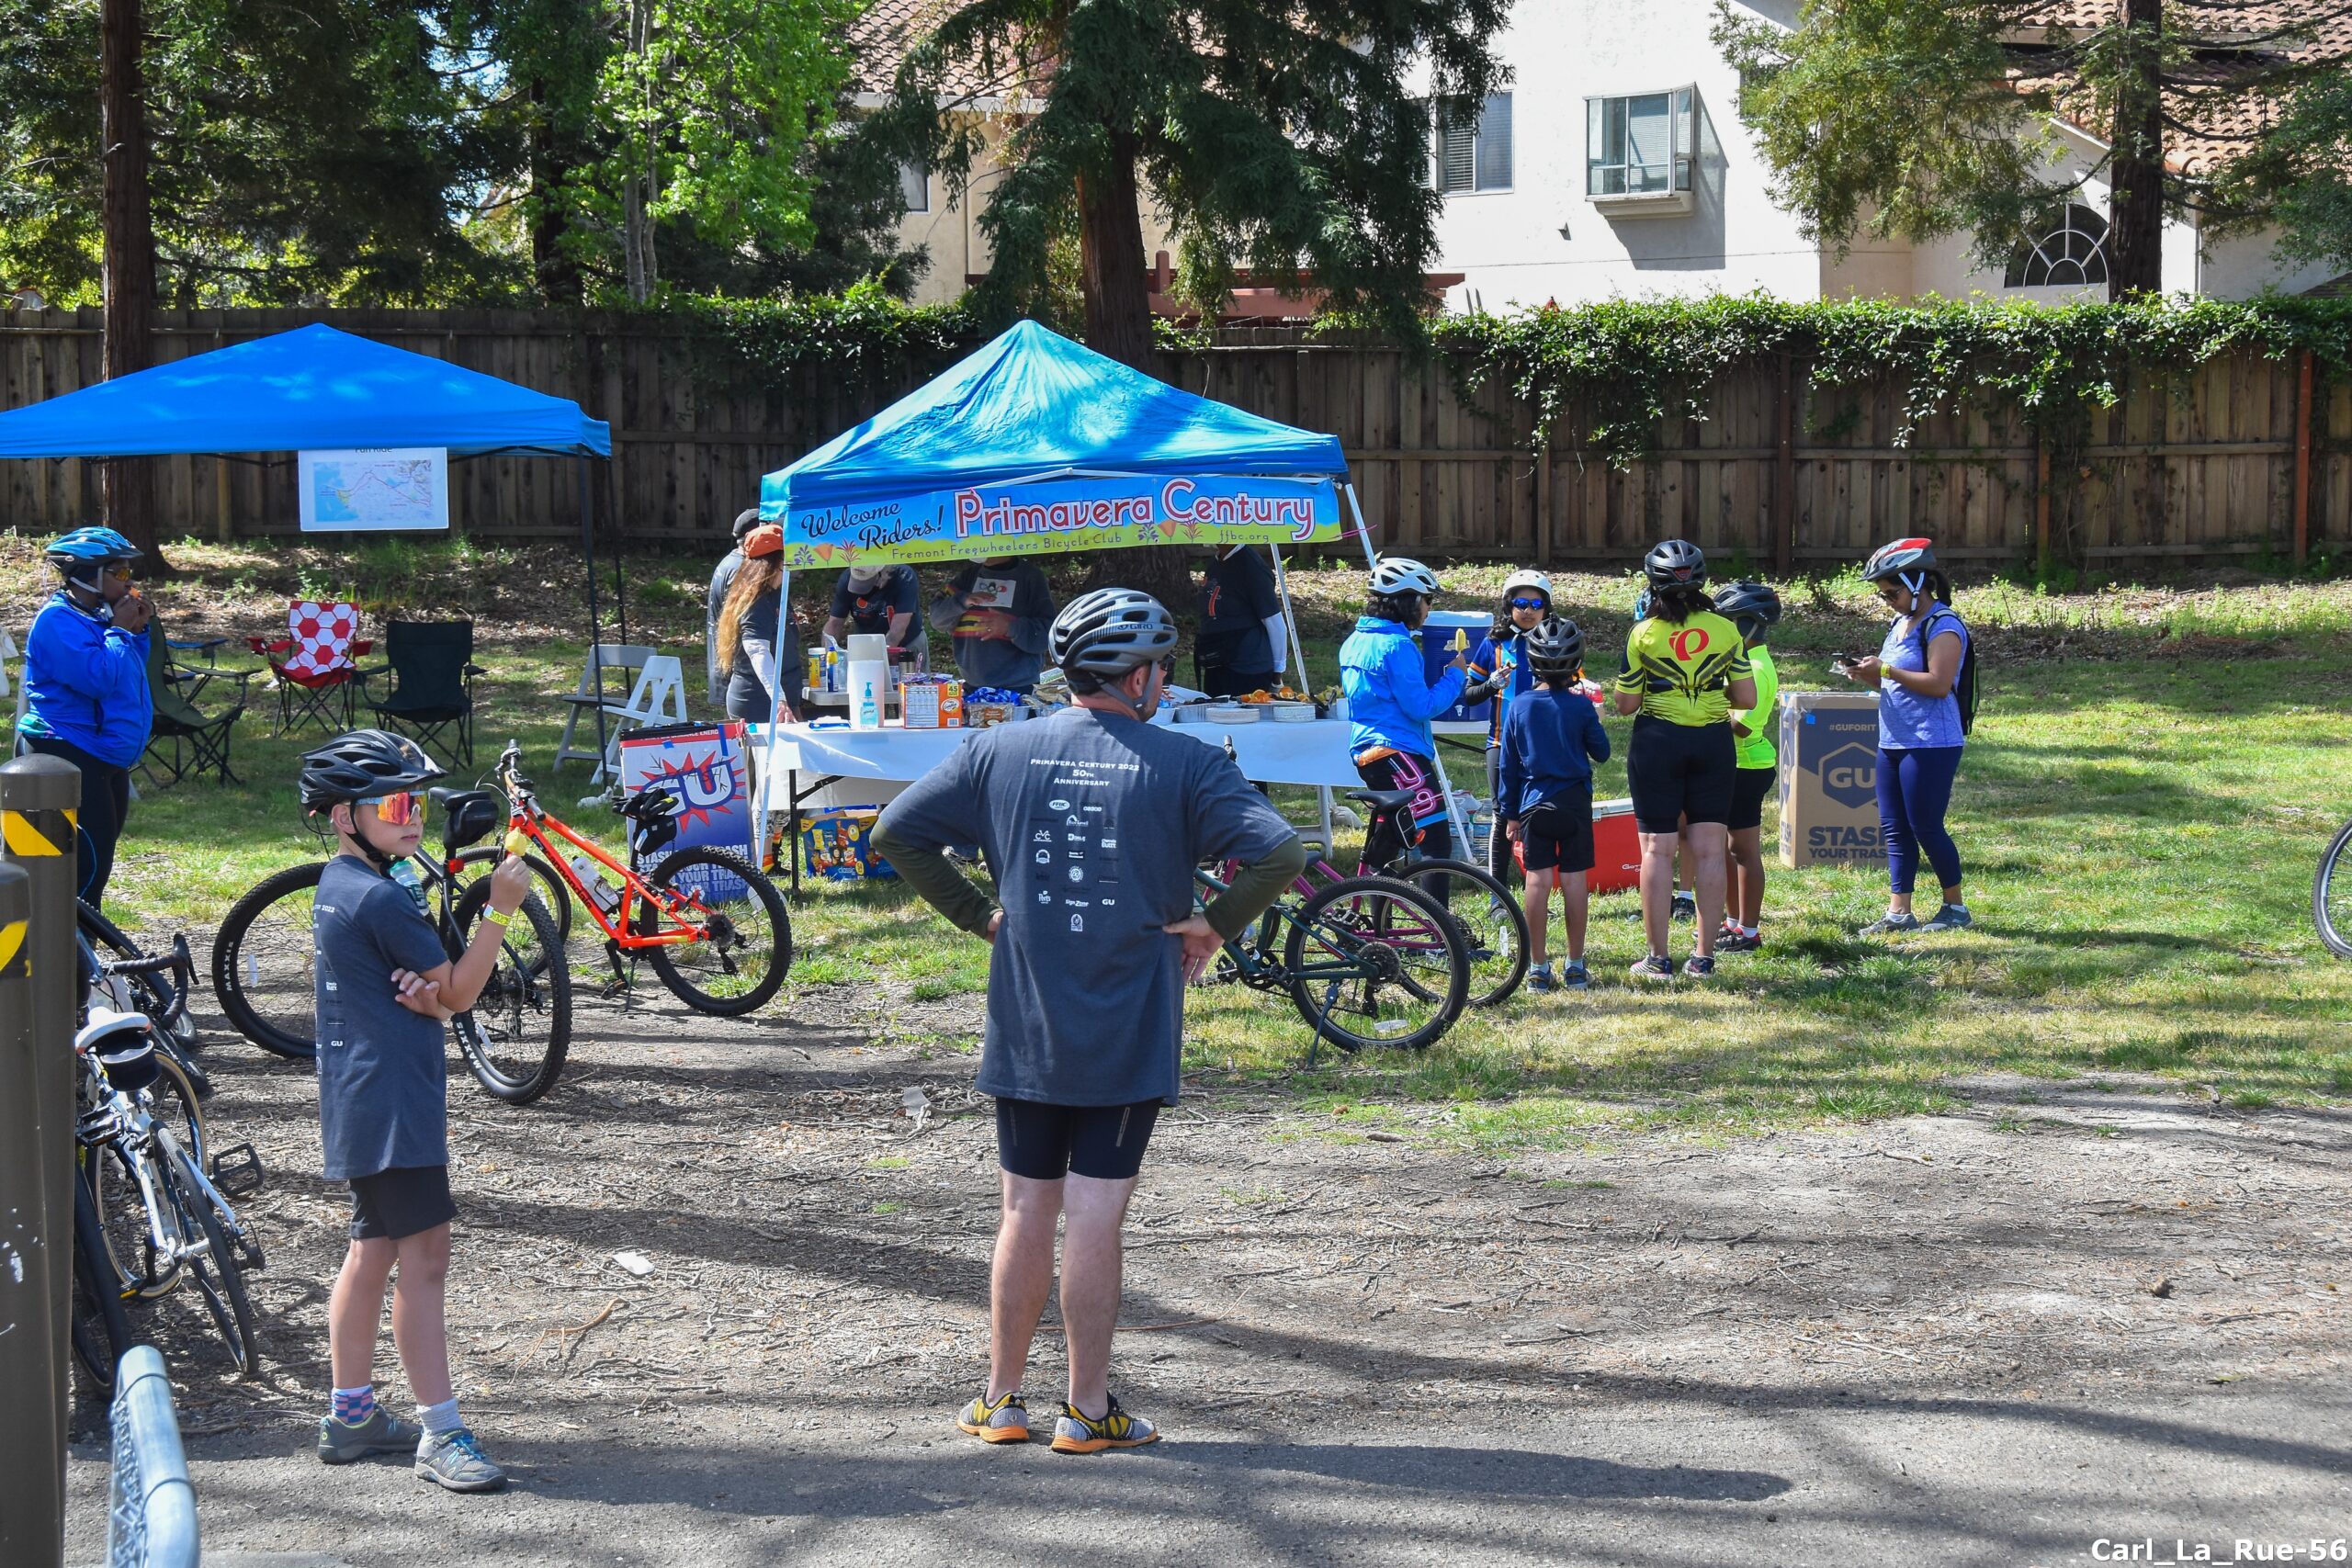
column 2071, row 254
column 914, row 185
column 1640, row 144
column 1476, row 157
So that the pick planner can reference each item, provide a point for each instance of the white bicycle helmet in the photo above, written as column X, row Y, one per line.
column 1528, row 577
column 1402, row 574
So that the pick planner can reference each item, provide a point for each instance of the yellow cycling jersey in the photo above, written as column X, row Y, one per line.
column 1680, row 670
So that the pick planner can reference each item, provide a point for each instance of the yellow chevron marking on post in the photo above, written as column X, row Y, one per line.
column 29, row 833
column 12, row 942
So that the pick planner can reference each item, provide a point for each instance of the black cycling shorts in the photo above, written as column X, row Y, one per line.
column 1045, row 1143
column 1680, row 770
column 403, row 1201
column 1749, row 788
column 1557, row 835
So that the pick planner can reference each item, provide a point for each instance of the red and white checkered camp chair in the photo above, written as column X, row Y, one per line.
column 314, row 664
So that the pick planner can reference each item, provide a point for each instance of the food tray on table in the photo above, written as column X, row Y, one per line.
column 1233, row 713
column 1280, row 712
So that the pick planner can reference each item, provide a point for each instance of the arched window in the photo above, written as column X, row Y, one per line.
column 2072, row 255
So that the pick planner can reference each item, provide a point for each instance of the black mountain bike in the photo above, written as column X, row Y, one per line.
column 2332, row 895
column 517, row 1033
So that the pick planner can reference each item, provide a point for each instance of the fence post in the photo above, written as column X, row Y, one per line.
column 39, row 799
column 2042, row 504
column 2303, row 413
column 1784, row 469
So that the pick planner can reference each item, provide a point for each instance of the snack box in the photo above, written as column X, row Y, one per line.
column 932, row 703
column 837, row 844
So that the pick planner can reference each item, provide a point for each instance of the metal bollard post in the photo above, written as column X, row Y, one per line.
column 40, row 798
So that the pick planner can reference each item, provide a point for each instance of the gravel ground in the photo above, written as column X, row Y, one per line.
column 2076, row 1312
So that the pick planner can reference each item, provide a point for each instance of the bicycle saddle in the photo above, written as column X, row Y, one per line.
column 655, row 813
column 469, row 815
column 1383, row 800
column 119, row 1043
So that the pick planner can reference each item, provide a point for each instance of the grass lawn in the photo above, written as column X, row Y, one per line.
column 2153, row 773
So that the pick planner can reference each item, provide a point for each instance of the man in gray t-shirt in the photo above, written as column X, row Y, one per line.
column 1092, row 822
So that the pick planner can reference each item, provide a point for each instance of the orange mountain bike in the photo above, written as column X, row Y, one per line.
column 709, row 921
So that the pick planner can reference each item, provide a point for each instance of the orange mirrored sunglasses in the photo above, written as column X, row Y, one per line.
column 398, row 810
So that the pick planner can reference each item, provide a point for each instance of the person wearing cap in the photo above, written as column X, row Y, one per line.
column 876, row 601
column 998, row 610
column 1920, row 671
column 1391, row 702
column 1092, row 820
column 715, row 667
column 749, row 626
column 1243, row 639
column 86, row 688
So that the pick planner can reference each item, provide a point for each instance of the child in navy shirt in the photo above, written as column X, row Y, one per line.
column 1551, row 738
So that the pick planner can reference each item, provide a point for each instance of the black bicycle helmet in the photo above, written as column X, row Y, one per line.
column 1676, row 563
column 361, row 765
column 1904, row 558
column 1109, row 632
column 1555, row 648
column 1750, row 607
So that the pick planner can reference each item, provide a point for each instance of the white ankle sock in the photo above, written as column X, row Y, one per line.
column 441, row 1417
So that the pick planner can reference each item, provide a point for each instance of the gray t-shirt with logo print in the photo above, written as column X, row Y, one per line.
column 383, row 1070
column 1092, row 825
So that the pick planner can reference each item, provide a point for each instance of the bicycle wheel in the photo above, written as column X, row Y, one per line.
column 219, row 1278
column 264, row 963
column 1494, row 924
column 159, row 996
column 515, row 1035
column 746, row 947
column 2332, row 896
column 553, row 891
column 1375, row 962
column 101, row 1328
column 119, row 1205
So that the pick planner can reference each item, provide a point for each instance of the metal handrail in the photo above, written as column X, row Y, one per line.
column 151, row 1513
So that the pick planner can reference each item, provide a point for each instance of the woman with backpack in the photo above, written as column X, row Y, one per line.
column 1925, row 673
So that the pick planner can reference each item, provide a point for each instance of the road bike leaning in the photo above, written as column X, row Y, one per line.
column 515, row 1036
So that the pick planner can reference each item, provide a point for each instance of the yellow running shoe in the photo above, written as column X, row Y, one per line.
column 1002, row 1420
column 1077, row 1434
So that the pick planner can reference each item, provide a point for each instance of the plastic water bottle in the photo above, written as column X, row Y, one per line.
column 404, row 873
column 601, row 893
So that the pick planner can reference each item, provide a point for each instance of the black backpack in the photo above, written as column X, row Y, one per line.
column 1963, row 688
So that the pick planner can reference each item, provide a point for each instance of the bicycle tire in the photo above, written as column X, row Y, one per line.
column 516, row 1034
column 117, row 1204
column 2333, row 875
column 219, row 1278
column 160, row 996
column 1501, row 939
column 554, row 891
column 759, row 891
column 101, row 1328
column 1337, row 918
column 275, row 1008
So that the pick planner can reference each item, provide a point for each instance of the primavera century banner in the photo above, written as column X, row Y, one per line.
column 1090, row 512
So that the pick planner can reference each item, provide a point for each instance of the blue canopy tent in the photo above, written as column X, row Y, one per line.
column 1037, row 444
column 310, row 388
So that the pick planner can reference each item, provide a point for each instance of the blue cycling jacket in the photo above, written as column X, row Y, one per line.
column 85, row 682
column 1390, row 701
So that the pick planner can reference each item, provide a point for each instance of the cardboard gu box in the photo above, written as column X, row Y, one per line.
column 1828, row 745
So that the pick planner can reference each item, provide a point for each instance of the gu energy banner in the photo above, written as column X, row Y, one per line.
column 1081, row 514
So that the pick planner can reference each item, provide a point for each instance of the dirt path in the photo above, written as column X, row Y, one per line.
column 1995, row 1337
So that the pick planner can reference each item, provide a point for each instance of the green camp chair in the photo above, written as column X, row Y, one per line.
column 432, row 668
column 184, row 739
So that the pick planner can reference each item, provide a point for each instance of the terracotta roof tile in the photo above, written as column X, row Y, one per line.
column 880, row 38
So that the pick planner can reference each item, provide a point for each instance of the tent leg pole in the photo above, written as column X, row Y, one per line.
column 775, row 722
column 1371, row 558
column 595, row 628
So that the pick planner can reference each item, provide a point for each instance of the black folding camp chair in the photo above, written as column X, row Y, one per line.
column 183, row 738
column 432, row 670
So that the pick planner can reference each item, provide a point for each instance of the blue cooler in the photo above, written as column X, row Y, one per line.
column 1444, row 633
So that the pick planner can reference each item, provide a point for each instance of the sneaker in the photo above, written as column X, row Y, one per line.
column 1074, row 1433
column 1574, row 978
column 1951, row 918
column 1732, row 939
column 341, row 1441
column 1685, row 908
column 1890, row 921
column 1697, row 967
column 1653, row 968
column 453, row 1459
column 1540, row 981
column 1004, row 1419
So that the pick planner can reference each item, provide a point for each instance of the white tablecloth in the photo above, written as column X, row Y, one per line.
column 1311, row 753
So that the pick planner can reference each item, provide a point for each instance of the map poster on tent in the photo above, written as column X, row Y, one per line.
column 372, row 488
column 1087, row 513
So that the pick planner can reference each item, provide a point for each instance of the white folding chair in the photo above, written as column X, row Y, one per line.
column 659, row 697
column 626, row 661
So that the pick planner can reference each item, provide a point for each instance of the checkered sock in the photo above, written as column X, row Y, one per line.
column 441, row 1417
column 354, row 1406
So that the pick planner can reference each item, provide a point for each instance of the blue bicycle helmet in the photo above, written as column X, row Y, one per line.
column 81, row 552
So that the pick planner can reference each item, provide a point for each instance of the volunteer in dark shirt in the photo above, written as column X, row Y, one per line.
column 1092, row 821
column 999, row 612
column 876, row 601
column 1242, row 638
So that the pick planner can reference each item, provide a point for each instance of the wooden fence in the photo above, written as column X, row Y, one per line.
column 2242, row 456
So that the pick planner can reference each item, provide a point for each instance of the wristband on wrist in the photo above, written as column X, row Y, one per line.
column 491, row 915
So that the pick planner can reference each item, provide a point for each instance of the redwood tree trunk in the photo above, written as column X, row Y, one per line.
column 2136, row 210
column 1117, row 289
column 127, row 261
